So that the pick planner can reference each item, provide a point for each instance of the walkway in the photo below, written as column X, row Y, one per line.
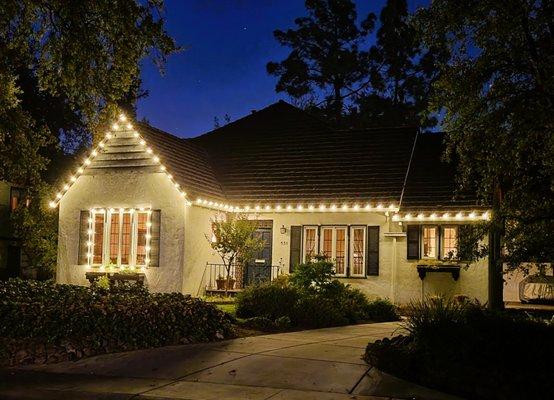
column 319, row 364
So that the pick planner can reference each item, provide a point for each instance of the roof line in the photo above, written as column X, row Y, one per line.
column 408, row 170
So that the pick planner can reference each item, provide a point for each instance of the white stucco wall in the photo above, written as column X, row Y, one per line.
column 124, row 189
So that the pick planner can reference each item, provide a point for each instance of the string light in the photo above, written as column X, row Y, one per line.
column 446, row 216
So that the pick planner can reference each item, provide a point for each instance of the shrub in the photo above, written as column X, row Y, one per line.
column 315, row 311
column 97, row 320
column 382, row 310
column 266, row 300
column 463, row 348
column 313, row 275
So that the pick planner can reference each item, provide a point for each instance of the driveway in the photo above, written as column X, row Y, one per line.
column 318, row 364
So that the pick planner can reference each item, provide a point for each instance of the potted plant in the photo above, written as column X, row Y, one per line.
column 220, row 282
column 231, row 282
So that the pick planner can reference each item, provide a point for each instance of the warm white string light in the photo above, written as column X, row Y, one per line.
column 446, row 216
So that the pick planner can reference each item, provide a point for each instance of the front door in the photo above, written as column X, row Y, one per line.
column 258, row 270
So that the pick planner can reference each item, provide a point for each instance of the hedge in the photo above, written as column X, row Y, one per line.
column 73, row 321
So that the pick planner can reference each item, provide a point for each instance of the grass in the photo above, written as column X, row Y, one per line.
column 229, row 308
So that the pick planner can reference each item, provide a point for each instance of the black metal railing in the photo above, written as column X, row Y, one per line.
column 240, row 276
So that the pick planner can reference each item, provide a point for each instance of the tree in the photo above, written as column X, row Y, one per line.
column 65, row 66
column 234, row 240
column 325, row 53
column 497, row 92
column 398, row 88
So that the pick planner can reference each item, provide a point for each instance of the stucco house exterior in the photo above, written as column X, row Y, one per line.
column 378, row 202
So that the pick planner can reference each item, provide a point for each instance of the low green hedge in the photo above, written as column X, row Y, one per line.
column 464, row 349
column 95, row 320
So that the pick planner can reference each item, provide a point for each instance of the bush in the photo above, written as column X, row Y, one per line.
column 267, row 300
column 382, row 310
column 462, row 348
column 309, row 298
column 97, row 320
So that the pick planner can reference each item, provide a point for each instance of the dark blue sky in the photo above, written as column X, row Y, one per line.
column 222, row 70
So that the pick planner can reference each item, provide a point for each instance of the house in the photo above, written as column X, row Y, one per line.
column 378, row 202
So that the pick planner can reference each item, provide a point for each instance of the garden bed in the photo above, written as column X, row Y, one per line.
column 46, row 322
column 466, row 350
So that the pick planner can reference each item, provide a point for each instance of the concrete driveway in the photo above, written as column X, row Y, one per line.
column 318, row 364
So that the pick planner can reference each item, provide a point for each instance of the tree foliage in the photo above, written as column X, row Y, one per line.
column 496, row 90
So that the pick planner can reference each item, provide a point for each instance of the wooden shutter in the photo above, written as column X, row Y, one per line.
column 155, row 219
column 413, row 242
column 295, row 246
column 373, row 250
column 83, row 237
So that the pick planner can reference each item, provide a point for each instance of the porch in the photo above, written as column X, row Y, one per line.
column 240, row 276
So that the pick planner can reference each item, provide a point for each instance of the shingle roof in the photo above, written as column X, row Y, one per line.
column 282, row 154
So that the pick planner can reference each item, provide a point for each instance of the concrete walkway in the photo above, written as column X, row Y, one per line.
column 318, row 364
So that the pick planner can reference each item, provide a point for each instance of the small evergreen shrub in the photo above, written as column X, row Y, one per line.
column 98, row 320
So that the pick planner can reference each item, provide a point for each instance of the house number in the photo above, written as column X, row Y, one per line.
column 284, row 243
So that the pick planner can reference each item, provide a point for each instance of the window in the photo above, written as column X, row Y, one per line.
column 310, row 242
column 16, row 197
column 450, row 242
column 120, row 237
column 357, row 250
column 333, row 246
column 429, row 242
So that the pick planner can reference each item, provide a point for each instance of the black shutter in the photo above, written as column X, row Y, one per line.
column 373, row 250
column 82, row 258
column 413, row 242
column 155, row 219
column 295, row 246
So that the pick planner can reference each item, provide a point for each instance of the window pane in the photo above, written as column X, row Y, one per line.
column 15, row 198
column 142, row 230
column 309, row 244
column 358, row 251
column 340, row 252
column 114, row 237
column 126, row 239
column 98, row 238
column 450, row 242
column 430, row 242
column 327, row 248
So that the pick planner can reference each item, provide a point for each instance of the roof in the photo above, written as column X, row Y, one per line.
column 282, row 154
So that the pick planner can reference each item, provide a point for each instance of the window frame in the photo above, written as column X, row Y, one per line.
column 334, row 229
column 107, row 235
column 351, row 251
column 316, row 241
column 437, row 242
column 443, row 254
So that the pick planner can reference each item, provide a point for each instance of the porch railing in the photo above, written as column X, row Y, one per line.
column 215, row 276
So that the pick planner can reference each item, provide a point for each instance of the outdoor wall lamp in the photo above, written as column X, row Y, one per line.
column 283, row 229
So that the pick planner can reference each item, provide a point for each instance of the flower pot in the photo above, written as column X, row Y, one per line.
column 220, row 283
column 231, row 284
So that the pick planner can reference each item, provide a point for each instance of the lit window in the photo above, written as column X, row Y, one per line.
column 310, row 243
column 120, row 237
column 429, row 243
column 16, row 197
column 333, row 246
column 450, row 242
column 357, row 250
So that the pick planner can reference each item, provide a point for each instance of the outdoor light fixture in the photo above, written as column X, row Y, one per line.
column 283, row 229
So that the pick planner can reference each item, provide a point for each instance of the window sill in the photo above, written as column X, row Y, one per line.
column 351, row 277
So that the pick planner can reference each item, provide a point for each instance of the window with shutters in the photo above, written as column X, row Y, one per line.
column 310, row 243
column 119, row 237
column 357, row 250
column 333, row 246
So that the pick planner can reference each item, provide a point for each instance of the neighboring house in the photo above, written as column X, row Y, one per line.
column 378, row 202
column 10, row 251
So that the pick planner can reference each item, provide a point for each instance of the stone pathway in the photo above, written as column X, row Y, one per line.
column 318, row 364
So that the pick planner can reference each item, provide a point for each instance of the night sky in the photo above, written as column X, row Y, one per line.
column 222, row 69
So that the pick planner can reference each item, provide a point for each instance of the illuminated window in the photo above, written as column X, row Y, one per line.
column 310, row 242
column 17, row 197
column 450, row 242
column 120, row 237
column 333, row 246
column 357, row 250
column 429, row 242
